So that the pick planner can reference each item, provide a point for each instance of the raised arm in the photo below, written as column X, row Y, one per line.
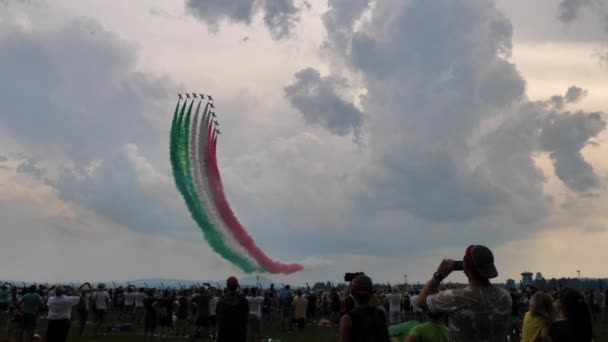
column 444, row 269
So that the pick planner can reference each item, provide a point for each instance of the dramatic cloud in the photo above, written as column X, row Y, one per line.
column 453, row 136
column 280, row 16
column 573, row 95
column 570, row 11
column 564, row 136
column 89, row 99
column 93, row 106
column 318, row 99
column 29, row 166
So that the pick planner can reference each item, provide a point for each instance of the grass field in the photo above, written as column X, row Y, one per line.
column 270, row 330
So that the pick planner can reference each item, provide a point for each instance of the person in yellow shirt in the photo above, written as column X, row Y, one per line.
column 538, row 318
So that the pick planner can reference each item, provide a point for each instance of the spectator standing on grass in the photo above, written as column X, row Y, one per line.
column 232, row 314
column 150, row 316
column 5, row 299
column 254, row 330
column 365, row 323
column 479, row 312
column 538, row 318
column 82, row 309
column 394, row 300
column 128, row 303
column 267, row 306
column 138, row 298
column 165, row 308
column 30, row 303
column 300, row 305
column 60, row 314
column 285, row 301
column 213, row 300
column 201, row 302
column 181, row 325
column 574, row 322
column 101, row 304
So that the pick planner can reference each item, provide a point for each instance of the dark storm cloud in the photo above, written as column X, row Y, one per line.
column 573, row 95
column 570, row 11
column 80, row 93
column 280, row 16
column 435, row 73
column 317, row 99
column 30, row 167
column 564, row 136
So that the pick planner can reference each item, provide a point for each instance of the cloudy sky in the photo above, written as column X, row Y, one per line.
column 359, row 135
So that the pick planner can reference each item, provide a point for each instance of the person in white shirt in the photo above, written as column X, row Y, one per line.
column 254, row 330
column 138, row 299
column 60, row 314
column 101, row 304
column 416, row 310
column 212, row 312
column 394, row 300
column 128, row 303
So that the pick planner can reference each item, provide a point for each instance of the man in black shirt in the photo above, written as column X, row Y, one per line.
column 232, row 314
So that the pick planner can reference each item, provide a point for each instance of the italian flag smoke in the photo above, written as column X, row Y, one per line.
column 193, row 147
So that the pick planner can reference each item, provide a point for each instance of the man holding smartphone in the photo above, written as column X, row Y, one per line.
column 479, row 312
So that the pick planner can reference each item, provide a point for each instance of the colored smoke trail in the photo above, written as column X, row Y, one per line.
column 232, row 221
column 193, row 148
column 181, row 170
column 197, row 153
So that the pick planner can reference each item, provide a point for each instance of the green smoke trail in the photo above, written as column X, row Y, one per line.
column 180, row 160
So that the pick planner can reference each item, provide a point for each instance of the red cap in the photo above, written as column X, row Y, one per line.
column 232, row 283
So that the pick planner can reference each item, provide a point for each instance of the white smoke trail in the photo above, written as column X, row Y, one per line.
column 198, row 145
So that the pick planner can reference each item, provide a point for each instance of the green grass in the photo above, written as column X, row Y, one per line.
column 270, row 329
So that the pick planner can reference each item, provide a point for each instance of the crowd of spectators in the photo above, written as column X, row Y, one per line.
column 480, row 311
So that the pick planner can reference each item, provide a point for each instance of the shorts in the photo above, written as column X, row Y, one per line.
column 254, row 327
column 28, row 322
column 213, row 320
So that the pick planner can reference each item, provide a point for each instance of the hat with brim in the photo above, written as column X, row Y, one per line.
column 481, row 260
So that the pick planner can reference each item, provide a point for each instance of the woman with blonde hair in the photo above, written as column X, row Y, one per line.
column 538, row 318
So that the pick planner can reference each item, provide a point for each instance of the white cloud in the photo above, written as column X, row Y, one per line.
column 452, row 148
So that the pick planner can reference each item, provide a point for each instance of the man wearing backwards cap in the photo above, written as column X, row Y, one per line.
column 365, row 323
column 481, row 311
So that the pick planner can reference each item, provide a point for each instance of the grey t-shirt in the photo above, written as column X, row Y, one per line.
column 479, row 314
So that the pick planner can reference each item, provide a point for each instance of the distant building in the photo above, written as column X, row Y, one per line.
column 526, row 279
column 539, row 276
column 510, row 284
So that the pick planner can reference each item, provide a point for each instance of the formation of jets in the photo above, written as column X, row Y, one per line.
column 196, row 96
column 210, row 99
